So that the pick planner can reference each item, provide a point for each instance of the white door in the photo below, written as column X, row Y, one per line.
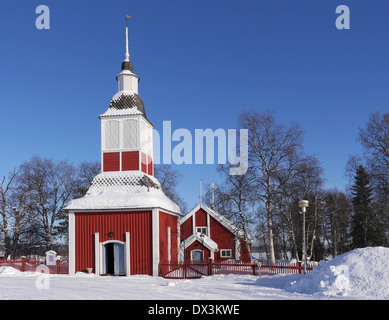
column 118, row 251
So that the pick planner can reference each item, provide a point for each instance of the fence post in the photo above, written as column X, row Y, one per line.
column 58, row 266
column 299, row 266
column 23, row 264
column 210, row 267
column 254, row 265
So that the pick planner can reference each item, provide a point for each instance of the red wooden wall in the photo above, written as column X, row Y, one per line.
column 165, row 221
column 130, row 160
column 139, row 224
column 224, row 238
column 111, row 161
column 196, row 245
column 146, row 164
column 186, row 229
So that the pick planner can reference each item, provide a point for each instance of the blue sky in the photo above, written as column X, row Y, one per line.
column 201, row 64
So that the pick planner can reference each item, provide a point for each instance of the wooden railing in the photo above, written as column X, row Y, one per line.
column 193, row 270
column 34, row 265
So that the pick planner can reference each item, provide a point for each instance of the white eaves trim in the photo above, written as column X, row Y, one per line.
column 218, row 217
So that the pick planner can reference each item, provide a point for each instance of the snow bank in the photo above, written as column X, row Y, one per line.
column 361, row 273
column 9, row 271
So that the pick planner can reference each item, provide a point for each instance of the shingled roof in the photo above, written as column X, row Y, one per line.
column 128, row 65
column 127, row 100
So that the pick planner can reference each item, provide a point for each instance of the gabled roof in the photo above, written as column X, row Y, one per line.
column 207, row 241
column 218, row 217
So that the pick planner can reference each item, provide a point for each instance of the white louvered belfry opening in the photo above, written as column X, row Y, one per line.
column 130, row 134
column 120, row 134
column 112, row 134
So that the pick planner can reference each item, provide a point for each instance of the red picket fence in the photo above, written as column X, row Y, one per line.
column 195, row 270
column 34, row 265
column 266, row 268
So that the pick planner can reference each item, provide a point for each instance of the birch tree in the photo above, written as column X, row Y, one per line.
column 275, row 153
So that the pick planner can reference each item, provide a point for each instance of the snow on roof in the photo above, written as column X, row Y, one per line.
column 124, row 190
column 207, row 241
column 125, row 102
column 218, row 217
column 121, row 112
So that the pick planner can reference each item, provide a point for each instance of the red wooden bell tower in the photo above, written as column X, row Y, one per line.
column 125, row 224
column 126, row 133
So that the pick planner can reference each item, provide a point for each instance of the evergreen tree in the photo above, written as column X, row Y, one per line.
column 362, row 223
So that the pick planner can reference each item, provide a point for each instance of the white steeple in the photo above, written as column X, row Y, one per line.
column 127, row 79
column 127, row 51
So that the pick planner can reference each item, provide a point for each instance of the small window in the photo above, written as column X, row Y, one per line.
column 225, row 253
column 202, row 230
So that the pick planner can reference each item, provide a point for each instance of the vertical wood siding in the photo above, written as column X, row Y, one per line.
column 130, row 160
column 165, row 221
column 139, row 224
column 111, row 161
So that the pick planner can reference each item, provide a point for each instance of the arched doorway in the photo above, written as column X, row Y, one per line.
column 113, row 258
column 197, row 255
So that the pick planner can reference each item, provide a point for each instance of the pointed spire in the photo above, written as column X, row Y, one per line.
column 127, row 51
column 127, row 64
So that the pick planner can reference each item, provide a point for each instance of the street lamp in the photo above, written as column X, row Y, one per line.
column 303, row 204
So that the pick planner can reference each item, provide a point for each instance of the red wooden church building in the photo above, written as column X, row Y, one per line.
column 125, row 224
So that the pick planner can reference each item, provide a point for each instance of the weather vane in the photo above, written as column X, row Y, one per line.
column 127, row 51
column 127, row 17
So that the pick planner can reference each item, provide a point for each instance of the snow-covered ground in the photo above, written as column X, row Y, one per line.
column 359, row 274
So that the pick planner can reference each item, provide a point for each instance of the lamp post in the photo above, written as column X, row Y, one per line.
column 303, row 204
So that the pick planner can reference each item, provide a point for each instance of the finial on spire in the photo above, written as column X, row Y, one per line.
column 127, row 51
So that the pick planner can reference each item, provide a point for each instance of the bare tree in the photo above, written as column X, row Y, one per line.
column 336, row 221
column 15, row 211
column 5, row 190
column 234, row 200
column 169, row 180
column 375, row 142
column 275, row 153
column 51, row 185
column 85, row 172
column 305, row 184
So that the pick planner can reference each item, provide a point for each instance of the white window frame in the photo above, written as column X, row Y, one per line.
column 201, row 230
column 196, row 250
column 227, row 253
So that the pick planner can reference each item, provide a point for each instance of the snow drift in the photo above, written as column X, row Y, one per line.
column 358, row 274
column 361, row 273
